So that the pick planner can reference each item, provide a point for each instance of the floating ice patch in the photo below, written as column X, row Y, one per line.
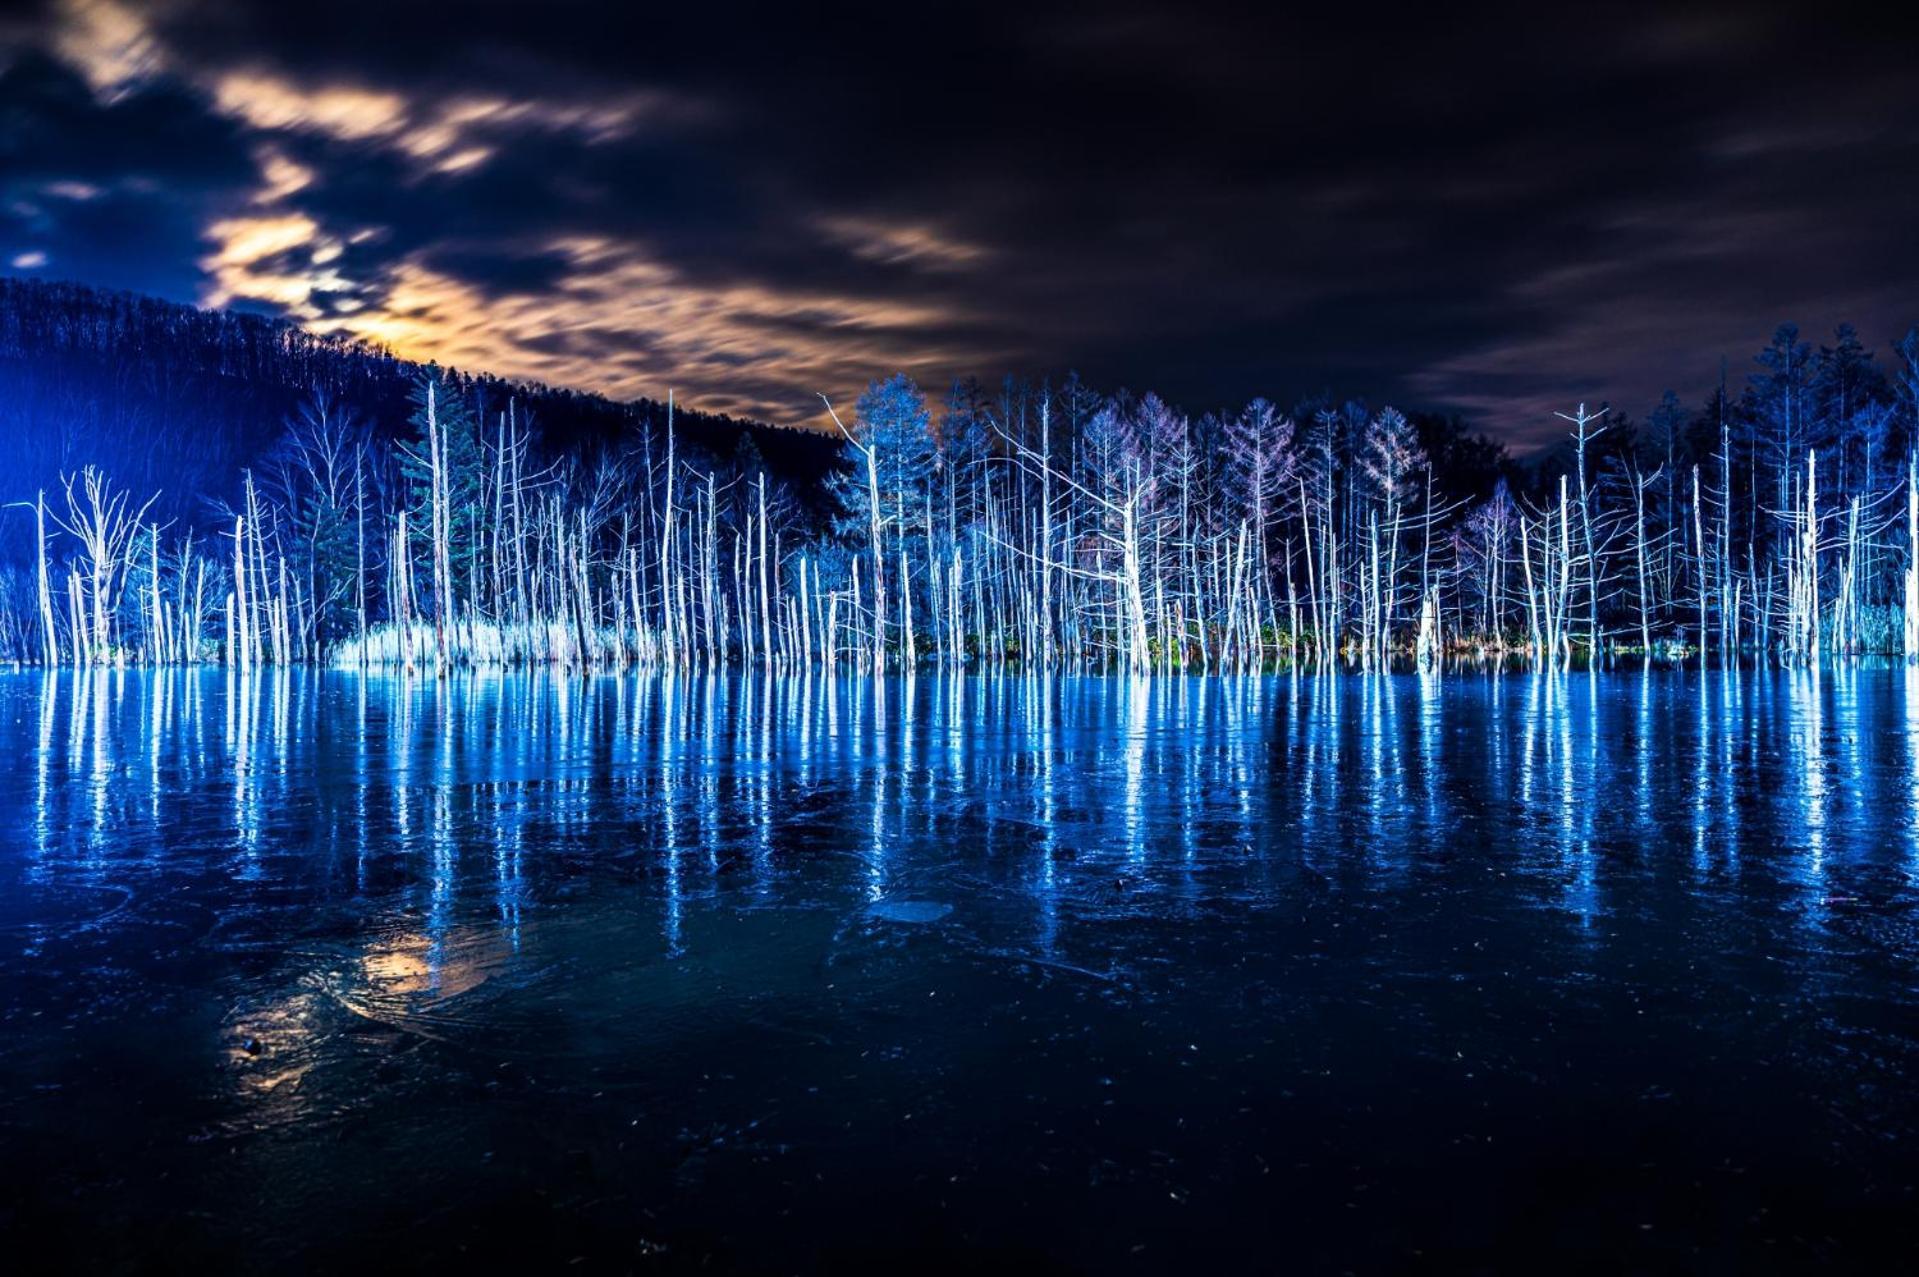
column 909, row 910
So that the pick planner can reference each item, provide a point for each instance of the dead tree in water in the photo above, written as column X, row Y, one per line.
column 1911, row 649
column 102, row 519
column 876, row 545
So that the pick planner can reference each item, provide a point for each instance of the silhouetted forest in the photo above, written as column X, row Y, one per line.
column 177, row 400
column 197, row 485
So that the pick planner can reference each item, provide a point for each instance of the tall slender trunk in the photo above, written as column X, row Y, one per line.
column 50, row 640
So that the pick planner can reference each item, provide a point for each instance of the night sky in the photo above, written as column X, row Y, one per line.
column 1492, row 212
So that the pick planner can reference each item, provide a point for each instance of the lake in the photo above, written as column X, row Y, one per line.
column 1609, row 971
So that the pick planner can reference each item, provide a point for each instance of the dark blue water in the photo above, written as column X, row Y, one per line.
column 1603, row 972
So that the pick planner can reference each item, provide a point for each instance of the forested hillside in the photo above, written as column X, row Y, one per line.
column 177, row 400
column 196, row 486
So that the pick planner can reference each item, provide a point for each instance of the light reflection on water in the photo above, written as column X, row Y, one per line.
column 1565, row 780
column 332, row 894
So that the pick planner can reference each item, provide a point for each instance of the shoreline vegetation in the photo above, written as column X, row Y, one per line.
column 1040, row 527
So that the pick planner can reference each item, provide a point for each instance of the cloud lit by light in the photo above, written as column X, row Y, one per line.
column 108, row 42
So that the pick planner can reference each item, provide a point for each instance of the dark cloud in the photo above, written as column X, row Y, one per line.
column 497, row 271
column 1494, row 211
column 114, row 192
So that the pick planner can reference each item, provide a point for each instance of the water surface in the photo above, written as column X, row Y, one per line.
column 815, row 974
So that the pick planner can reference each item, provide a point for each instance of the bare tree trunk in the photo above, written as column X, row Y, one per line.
column 669, row 639
column 766, row 607
column 441, row 567
column 1912, row 557
column 50, row 650
column 237, row 637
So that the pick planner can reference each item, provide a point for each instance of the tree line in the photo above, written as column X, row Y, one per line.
column 1044, row 525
